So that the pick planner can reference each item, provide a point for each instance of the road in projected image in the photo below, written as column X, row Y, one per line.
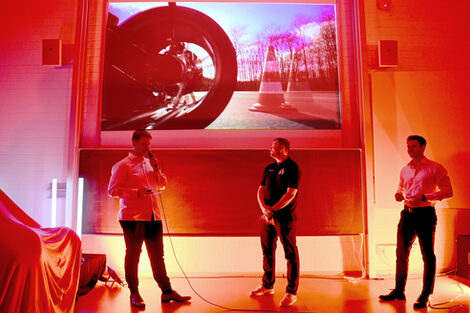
column 312, row 110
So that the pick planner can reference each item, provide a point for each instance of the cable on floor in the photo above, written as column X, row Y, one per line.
column 191, row 286
column 445, row 304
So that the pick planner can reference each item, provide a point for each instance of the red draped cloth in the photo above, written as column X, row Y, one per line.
column 39, row 267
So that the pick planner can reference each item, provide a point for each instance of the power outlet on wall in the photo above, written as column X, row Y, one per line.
column 385, row 249
column 380, row 250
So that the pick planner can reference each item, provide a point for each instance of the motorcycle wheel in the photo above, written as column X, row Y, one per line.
column 151, row 30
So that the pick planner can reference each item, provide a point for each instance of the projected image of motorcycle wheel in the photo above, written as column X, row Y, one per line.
column 182, row 77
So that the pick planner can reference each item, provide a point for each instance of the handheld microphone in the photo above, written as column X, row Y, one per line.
column 151, row 156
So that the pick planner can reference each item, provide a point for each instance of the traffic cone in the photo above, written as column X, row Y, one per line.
column 298, row 90
column 271, row 96
column 297, row 78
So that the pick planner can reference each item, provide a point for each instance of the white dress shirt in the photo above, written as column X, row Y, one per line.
column 130, row 175
column 424, row 177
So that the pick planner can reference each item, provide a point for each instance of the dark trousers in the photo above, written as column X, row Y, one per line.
column 421, row 223
column 285, row 229
column 135, row 233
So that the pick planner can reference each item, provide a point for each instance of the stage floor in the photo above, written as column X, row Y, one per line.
column 316, row 294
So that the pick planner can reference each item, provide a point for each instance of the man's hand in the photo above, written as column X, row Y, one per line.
column 154, row 162
column 144, row 192
column 415, row 200
column 399, row 197
column 269, row 220
column 267, row 211
column 267, row 214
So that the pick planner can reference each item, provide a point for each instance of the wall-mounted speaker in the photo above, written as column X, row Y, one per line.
column 388, row 53
column 52, row 52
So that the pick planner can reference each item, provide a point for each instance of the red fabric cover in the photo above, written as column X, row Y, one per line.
column 39, row 267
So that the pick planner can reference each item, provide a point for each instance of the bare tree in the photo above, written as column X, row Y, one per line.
column 299, row 22
column 236, row 34
column 300, row 56
column 284, row 44
column 328, row 38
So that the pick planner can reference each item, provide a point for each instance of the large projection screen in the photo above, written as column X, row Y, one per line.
column 213, row 192
column 285, row 66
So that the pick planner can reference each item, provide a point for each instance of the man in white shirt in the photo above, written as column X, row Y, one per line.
column 136, row 180
column 422, row 183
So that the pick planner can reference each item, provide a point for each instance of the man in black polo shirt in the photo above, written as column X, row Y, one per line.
column 277, row 197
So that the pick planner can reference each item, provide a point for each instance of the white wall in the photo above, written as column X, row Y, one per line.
column 212, row 256
column 34, row 102
column 426, row 94
column 432, row 104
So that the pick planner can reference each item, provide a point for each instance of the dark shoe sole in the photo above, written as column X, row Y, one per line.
column 179, row 301
column 418, row 306
column 393, row 299
column 138, row 306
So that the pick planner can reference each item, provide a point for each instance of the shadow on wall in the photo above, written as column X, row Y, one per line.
column 458, row 166
column 456, row 218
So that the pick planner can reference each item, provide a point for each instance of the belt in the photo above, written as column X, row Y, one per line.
column 418, row 209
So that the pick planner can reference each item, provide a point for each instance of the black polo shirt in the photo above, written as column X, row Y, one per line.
column 276, row 179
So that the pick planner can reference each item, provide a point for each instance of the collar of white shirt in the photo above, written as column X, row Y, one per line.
column 135, row 158
column 414, row 163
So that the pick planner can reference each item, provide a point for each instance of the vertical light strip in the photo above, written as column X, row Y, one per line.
column 80, row 206
column 68, row 209
column 54, row 203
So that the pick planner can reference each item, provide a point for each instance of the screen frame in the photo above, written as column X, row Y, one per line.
column 347, row 136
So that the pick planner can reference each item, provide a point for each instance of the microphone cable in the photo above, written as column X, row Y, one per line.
column 189, row 283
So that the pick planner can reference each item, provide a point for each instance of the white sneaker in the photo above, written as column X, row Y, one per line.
column 288, row 300
column 261, row 291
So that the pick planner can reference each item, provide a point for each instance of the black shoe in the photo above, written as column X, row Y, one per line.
column 174, row 296
column 394, row 295
column 421, row 302
column 137, row 301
